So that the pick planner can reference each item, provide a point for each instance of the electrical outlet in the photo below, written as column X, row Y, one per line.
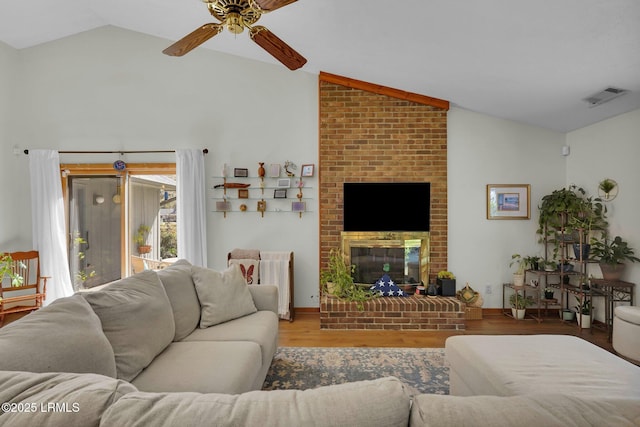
column 488, row 290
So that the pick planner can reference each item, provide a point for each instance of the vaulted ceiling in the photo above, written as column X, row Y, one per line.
column 529, row 61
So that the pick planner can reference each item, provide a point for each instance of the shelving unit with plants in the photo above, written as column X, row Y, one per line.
column 568, row 219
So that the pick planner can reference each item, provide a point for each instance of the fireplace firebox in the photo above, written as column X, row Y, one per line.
column 403, row 255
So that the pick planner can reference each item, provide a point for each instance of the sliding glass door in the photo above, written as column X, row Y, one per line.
column 119, row 223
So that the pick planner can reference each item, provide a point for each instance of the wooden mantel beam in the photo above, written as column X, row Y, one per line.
column 384, row 90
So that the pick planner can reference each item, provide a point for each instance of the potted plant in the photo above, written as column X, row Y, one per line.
column 140, row 239
column 337, row 280
column 548, row 293
column 556, row 209
column 533, row 262
column 6, row 270
column 521, row 266
column 610, row 254
column 589, row 216
column 446, row 282
column 584, row 310
column 519, row 304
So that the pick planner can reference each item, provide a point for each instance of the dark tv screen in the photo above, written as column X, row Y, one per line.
column 392, row 206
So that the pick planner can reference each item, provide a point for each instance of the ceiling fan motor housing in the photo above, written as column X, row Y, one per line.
column 236, row 15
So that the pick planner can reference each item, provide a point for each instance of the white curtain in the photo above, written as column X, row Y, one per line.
column 47, row 219
column 191, row 206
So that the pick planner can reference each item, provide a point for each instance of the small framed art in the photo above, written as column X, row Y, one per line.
column 240, row 172
column 298, row 206
column 307, row 170
column 284, row 183
column 280, row 193
column 508, row 201
column 274, row 170
column 223, row 206
column 243, row 193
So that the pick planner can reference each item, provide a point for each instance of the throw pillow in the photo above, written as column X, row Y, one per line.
column 137, row 319
column 223, row 295
column 249, row 269
column 65, row 336
column 182, row 295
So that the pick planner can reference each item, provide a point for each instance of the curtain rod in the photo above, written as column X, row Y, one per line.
column 204, row 150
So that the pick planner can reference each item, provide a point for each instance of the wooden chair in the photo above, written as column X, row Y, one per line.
column 31, row 293
column 139, row 264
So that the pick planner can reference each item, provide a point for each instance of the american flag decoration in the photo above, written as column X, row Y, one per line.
column 386, row 288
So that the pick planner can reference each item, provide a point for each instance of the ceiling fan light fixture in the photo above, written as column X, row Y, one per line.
column 235, row 23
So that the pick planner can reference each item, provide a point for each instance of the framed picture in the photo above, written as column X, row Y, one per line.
column 274, row 170
column 298, row 206
column 240, row 172
column 280, row 193
column 223, row 206
column 284, row 183
column 243, row 193
column 262, row 206
column 307, row 170
column 508, row 201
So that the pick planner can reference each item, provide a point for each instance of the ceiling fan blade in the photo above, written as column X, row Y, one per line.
column 276, row 47
column 193, row 40
column 269, row 5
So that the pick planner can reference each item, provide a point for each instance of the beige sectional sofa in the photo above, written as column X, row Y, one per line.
column 184, row 328
column 189, row 346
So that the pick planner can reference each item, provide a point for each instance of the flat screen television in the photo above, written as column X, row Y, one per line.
column 386, row 206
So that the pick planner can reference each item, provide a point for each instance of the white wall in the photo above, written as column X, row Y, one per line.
column 111, row 89
column 611, row 149
column 486, row 150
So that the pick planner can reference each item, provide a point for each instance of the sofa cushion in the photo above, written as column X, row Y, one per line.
column 181, row 291
column 530, row 410
column 80, row 399
column 65, row 336
column 205, row 367
column 223, row 295
column 137, row 319
column 383, row 402
column 260, row 327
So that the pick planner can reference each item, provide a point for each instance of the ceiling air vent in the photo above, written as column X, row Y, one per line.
column 605, row 96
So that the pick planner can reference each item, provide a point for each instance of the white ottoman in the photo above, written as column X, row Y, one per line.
column 626, row 331
column 511, row 365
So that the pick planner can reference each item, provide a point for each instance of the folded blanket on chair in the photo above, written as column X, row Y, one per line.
column 245, row 254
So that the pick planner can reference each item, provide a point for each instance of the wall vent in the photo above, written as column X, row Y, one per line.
column 605, row 96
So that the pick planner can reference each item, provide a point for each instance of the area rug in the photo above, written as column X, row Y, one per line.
column 422, row 370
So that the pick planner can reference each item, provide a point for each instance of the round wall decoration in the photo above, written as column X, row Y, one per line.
column 119, row 165
column 607, row 189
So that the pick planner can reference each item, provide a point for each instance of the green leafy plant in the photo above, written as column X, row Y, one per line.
column 140, row 238
column 570, row 209
column 520, row 302
column 446, row 275
column 6, row 270
column 583, row 307
column 613, row 252
column 84, row 273
column 606, row 185
column 520, row 262
column 337, row 280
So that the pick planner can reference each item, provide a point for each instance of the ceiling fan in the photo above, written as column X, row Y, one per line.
column 237, row 15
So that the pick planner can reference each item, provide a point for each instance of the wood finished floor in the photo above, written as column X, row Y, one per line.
column 305, row 331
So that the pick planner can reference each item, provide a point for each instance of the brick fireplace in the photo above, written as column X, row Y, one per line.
column 372, row 133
